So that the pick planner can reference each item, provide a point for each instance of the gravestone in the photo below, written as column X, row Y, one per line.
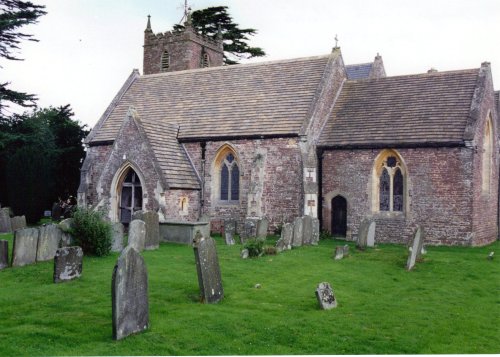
column 5, row 223
column 416, row 248
column 24, row 249
column 129, row 291
column 346, row 250
column 244, row 254
column 307, row 230
column 18, row 222
column 315, row 231
column 117, row 234
column 207, row 267
column 366, row 234
column 339, row 253
column 66, row 237
column 137, row 234
column 298, row 232
column 152, row 222
column 4, row 254
column 285, row 241
column 249, row 230
column 325, row 296
column 68, row 263
column 262, row 227
column 229, row 231
column 48, row 242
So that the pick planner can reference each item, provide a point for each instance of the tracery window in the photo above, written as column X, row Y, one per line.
column 130, row 196
column 165, row 61
column 389, row 183
column 229, row 179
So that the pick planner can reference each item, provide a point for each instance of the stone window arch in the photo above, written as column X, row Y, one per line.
column 129, row 195
column 165, row 61
column 389, row 192
column 226, row 183
column 205, row 60
column 487, row 156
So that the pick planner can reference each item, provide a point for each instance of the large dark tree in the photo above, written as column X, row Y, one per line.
column 208, row 21
column 13, row 15
column 40, row 159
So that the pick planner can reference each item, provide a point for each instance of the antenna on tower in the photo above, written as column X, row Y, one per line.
column 187, row 10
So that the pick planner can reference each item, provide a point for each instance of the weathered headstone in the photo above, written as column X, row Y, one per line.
column 129, row 291
column 262, row 227
column 5, row 223
column 137, row 234
column 4, row 254
column 207, row 267
column 416, row 248
column 346, row 250
column 249, row 230
column 229, row 231
column 68, row 263
column 325, row 296
column 244, row 254
column 339, row 253
column 66, row 237
column 307, row 230
column 366, row 234
column 48, row 242
column 24, row 249
column 315, row 231
column 152, row 222
column 117, row 234
column 285, row 241
column 18, row 222
column 298, row 232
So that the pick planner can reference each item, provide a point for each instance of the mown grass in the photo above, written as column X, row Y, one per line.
column 450, row 303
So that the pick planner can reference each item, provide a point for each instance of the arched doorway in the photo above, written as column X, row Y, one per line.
column 339, row 216
column 130, row 191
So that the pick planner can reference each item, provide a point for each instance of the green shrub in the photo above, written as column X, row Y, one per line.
column 270, row 250
column 255, row 247
column 91, row 232
column 325, row 235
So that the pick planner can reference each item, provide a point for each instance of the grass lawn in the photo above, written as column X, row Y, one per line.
column 450, row 303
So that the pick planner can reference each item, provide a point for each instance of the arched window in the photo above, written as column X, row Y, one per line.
column 389, row 183
column 130, row 195
column 165, row 61
column 205, row 60
column 226, row 174
column 487, row 156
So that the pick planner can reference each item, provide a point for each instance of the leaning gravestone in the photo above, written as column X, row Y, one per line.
column 262, row 227
column 366, row 234
column 346, row 250
column 307, row 230
column 68, row 263
column 339, row 253
column 117, row 234
column 18, row 222
column 229, row 231
column 325, row 296
column 416, row 249
column 137, row 234
column 298, row 232
column 65, row 227
column 285, row 241
column 152, row 222
column 48, row 242
column 24, row 249
column 4, row 254
column 315, row 231
column 249, row 230
column 129, row 291
column 207, row 267
column 5, row 223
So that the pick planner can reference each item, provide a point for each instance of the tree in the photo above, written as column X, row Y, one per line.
column 208, row 22
column 13, row 15
column 40, row 158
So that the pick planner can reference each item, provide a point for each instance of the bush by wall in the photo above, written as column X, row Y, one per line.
column 91, row 232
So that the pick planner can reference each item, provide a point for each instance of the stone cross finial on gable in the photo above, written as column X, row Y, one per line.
column 336, row 40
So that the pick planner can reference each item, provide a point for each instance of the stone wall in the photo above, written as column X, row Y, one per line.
column 270, row 180
column 439, row 195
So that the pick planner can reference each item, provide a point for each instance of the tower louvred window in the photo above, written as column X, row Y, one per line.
column 165, row 61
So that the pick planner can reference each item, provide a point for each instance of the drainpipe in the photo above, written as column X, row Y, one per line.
column 319, row 155
column 203, row 146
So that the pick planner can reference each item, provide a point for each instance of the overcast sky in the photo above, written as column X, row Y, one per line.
column 88, row 48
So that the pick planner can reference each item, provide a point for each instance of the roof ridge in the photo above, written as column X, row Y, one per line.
column 423, row 75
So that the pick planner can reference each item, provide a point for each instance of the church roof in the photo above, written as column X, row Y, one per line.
column 358, row 71
column 422, row 109
column 269, row 99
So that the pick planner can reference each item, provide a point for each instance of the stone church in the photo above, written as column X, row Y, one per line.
column 192, row 137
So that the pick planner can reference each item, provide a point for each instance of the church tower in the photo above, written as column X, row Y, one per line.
column 168, row 52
